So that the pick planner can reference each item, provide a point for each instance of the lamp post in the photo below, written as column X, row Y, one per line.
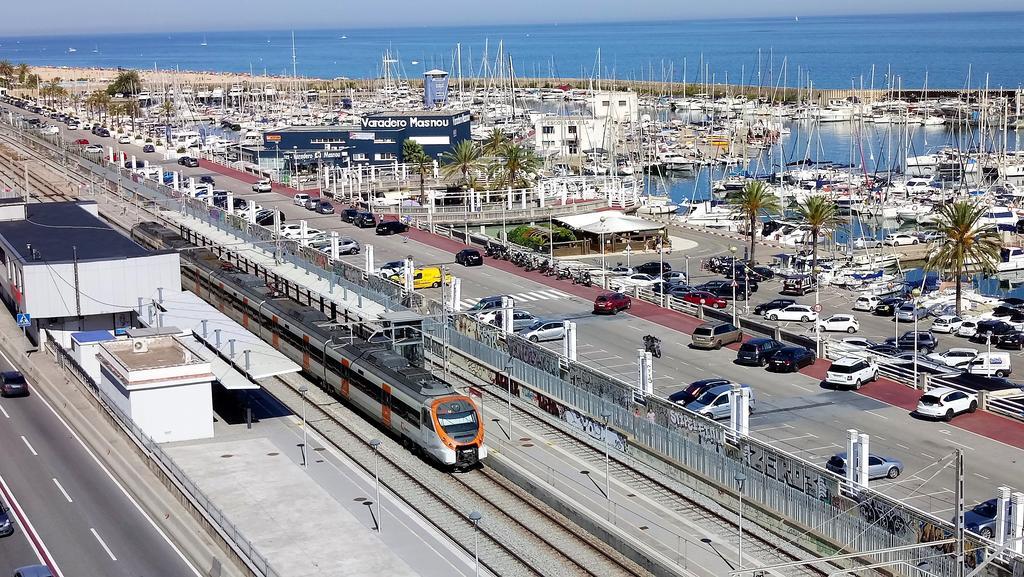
column 686, row 268
column 607, row 460
column 732, row 249
column 740, row 479
column 475, row 517
column 302, row 391
column 914, row 294
column 375, row 443
column 604, row 266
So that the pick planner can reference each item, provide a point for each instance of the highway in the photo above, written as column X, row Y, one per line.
column 75, row 514
column 794, row 411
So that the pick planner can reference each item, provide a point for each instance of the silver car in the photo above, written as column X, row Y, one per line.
column 981, row 518
column 544, row 331
column 715, row 403
column 520, row 319
column 879, row 467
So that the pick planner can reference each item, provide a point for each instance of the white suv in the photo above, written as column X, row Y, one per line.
column 263, row 185
column 851, row 372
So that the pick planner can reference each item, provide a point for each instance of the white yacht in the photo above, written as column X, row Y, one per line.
column 657, row 204
column 1000, row 216
column 1010, row 258
column 913, row 211
column 707, row 214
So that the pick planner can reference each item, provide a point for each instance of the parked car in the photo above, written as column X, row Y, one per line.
column 695, row 390
column 349, row 214
column 858, row 342
column 946, row 403
column 797, row 285
column 991, row 331
column 714, row 335
column 188, row 161
column 263, row 185
column 469, row 257
column 925, row 342
column 1014, row 340
column 879, row 467
column 300, row 199
column 705, row 298
column 887, row 307
column 866, row 242
column 674, row 276
column 756, row 352
column 13, row 383
column 389, row 227
column 956, row 357
column 93, row 149
column 981, row 518
column 716, row 402
column 900, row 239
column 124, row 139
column 773, row 304
column 909, row 312
column 612, row 302
column 520, row 319
column 946, row 324
column 885, row 349
column 866, row 303
column 654, row 268
column 33, row 571
column 82, row 142
column 851, row 372
column 347, row 245
column 324, row 207
column 148, row 148
column 799, row 313
column 839, row 323
column 790, row 359
column 311, row 203
column 365, row 220
column 634, row 280
column 542, row 330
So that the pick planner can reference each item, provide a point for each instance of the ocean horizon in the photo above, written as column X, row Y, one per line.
column 950, row 50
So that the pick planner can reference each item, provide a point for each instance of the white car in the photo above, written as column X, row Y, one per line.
column 866, row 242
column 957, row 357
column 851, row 372
column 866, row 303
column 800, row 313
column 858, row 342
column 900, row 239
column 300, row 199
column 967, row 328
column 93, row 149
column 263, row 185
column 946, row 403
column 292, row 231
column 124, row 139
column 840, row 322
column 638, row 280
column 947, row 324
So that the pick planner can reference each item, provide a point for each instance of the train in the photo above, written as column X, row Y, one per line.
column 425, row 413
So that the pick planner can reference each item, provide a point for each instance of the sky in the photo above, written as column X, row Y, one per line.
column 56, row 17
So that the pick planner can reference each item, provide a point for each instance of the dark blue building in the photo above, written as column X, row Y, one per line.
column 376, row 140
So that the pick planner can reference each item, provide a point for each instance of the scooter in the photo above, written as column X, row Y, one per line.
column 652, row 344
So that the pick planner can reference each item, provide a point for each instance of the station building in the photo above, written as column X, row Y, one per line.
column 376, row 140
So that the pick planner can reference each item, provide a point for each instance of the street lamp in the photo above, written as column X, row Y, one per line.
column 686, row 269
column 914, row 294
column 607, row 467
column 302, row 391
column 475, row 517
column 740, row 480
column 604, row 266
column 732, row 249
column 375, row 443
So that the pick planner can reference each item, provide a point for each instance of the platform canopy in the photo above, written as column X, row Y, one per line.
column 614, row 222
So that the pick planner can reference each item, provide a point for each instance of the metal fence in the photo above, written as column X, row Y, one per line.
column 153, row 449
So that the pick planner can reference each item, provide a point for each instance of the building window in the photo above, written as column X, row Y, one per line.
column 358, row 156
column 606, row 103
column 622, row 103
column 389, row 156
column 572, row 130
column 548, row 130
column 573, row 149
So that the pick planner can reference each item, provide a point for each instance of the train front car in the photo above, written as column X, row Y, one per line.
column 460, row 427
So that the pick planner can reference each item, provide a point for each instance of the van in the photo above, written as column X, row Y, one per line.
column 715, row 403
column 426, row 277
column 715, row 335
column 797, row 285
column 994, row 364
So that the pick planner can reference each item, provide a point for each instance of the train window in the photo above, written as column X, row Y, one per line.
column 425, row 421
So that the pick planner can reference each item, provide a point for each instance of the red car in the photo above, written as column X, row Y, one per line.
column 82, row 142
column 709, row 299
column 612, row 303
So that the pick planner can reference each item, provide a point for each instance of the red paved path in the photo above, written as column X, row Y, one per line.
column 252, row 178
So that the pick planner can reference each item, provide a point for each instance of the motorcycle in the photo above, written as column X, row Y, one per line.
column 652, row 344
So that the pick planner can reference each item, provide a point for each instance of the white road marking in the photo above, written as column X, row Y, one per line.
column 782, row 426
column 969, row 448
column 62, row 491
column 980, row 475
column 37, row 544
column 526, row 297
column 4, row 411
column 927, row 456
column 102, row 544
column 877, row 415
column 29, row 445
column 902, row 446
column 797, row 438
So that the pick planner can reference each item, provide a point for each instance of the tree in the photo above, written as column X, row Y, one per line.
column 462, row 159
column 515, row 166
column 127, row 83
column 166, row 110
column 53, row 91
column 6, row 72
column 495, row 142
column 22, row 71
column 752, row 200
column 414, row 155
column 969, row 241
column 822, row 215
column 98, row 101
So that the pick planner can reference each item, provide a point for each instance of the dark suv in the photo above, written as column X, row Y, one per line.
column 756, row 352
column 349, row 214
column 996, row 328
column 654, row 268
column 925, row 342
column 391, row 227
column 365, row 220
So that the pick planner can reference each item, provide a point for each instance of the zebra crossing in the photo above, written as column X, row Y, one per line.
column 520, row 298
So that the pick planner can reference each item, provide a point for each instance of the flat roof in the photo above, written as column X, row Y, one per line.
column 158, row 353
column 417, row 113
column 92, row 336
column 56, row 230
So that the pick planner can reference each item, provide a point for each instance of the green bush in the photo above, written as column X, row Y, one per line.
column 536, row 237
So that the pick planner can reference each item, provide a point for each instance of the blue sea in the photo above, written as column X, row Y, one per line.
column 955, row 50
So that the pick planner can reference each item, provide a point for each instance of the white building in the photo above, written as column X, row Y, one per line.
column 616, row 106
column 71, row 272
column 568, row 135
column 162, row 385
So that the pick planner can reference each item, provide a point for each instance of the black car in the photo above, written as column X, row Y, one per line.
column 1005, row 311
column 6, row 523
column 742, row 290
column 207, row 179
column 995, row 328
column 924, row 342
column 654, row 268
column 12, row 383
column 349, row 214
column 324, row 207
column 188, row 161
column 265, row 217
column 365, row 220
column 755, row 274
column 696, row 389
column 106, row 134
column 148, row 148
column 1014, row 340
column 886, row 349
column 391, row 227
column 773, row 304
column 790, row 359
column 469, row 257
column 756, row 352
column 887, row 307
column 713, row 285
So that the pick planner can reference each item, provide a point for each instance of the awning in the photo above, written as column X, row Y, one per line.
column 608, row 222
column 226, row 375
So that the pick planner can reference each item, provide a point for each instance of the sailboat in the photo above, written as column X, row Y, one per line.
column 96, row 49
column 70, row 50
column 204, row 40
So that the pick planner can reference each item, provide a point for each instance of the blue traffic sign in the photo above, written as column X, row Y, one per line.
column 24, row 320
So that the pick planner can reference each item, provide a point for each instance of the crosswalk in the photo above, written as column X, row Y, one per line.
column 520, row 298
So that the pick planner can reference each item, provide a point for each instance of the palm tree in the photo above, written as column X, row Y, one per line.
column 822, row 215
column 752, row 200
column 495, row 142
column 462, row 159
column 165, row 110
column 969, row 241
column 414, row 155
column 98, row 101
column 22, row 71
column 6, row 71
column 515, row 166
column 127, row 83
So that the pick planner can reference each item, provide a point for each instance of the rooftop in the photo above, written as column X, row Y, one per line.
column 152, row 353
column 56, row 230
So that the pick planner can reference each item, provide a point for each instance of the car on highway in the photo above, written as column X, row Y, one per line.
column 851, row 372
column 82, row 142
column 790, row 359
column 946, row 324
column 695, row 390
column 887, row 307
column 945, row 403
column 981, row 518
column 900, row 239
column 716, row 402
column 705, row 298
column 990, row 364
column 389, row 227
column 13, row 384
column 991, row 331
column 93, row 149
column 773, row 304
column 654, row 268
column 956, row 357
column 311, row 203
column 866, row 303
column 33, row 571
column 188, row 161
column 543, row 330
column 923, row 342
column 484, row 304
column 839, row 323
column 263, row 185
column 879, row 467
column 265, row 217
column 714, row 335
column 469, row 257
column 798, row 313
column 612, row 303
column 909, row 312
column 6, row 523
column 424, row 277
column 324, row 207
column 148, row 148
column 756, row 352
column 125, row 139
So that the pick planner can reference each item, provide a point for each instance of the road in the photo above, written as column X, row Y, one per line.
column 81, row 519
column 794, row 411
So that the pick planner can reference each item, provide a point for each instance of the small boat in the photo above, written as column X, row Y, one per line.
column 1010, row 258
column 70, row 50
column 657, row 204
column 203, row 43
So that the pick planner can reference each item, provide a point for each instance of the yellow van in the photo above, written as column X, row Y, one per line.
column 426, row 277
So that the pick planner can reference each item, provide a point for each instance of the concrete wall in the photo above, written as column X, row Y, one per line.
column 177, row 413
